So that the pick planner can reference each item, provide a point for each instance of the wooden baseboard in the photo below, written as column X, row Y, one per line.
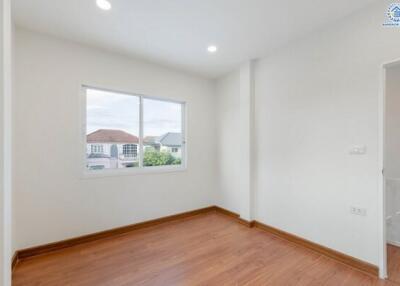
column 394, row 243
column 341, row 257
column 47, row 248
column 234, row 216
column 14, row 261
column 51, row 247
column 226, row 212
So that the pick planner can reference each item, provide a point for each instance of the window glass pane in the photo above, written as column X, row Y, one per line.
column 162, row 133
column 112, row 130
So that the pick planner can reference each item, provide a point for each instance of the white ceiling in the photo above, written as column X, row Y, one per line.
column 177, row 32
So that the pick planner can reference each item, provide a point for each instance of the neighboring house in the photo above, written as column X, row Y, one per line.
column 171, row 142
column 107, row 148
column 111, row 149
column 150, row 142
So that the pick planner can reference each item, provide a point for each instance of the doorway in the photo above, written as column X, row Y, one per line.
column 391, row 167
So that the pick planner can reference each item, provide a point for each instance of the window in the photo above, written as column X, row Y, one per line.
column 132, row 131
column 130, row 150
column 97, row 149
column 162, row 121
column 112, row 122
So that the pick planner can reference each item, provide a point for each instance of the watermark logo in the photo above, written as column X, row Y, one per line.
column 393, row 15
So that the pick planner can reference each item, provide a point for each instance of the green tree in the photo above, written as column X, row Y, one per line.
column 154, row 158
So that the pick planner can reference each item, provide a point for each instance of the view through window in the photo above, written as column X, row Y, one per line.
column 162, row 130
column 117, row 132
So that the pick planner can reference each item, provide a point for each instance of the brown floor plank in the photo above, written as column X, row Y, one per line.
column 393, row 253
column 208, row 249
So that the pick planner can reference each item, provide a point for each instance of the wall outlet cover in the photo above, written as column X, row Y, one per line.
column 358, row 150
column 358, row 211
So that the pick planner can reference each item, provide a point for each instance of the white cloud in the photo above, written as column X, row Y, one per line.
column 108, row 110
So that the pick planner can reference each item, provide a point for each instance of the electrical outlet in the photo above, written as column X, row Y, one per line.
column 358, row 211
column 358, row 150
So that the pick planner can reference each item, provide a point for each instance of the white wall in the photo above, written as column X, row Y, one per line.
column 52, row 201
column 228, row 106
column 2, row 236
column 392, row 154
column 246, row 118
column 235, row 119
column 314, row 99
column 5, row 142
column 392, row 189
column 392, row 158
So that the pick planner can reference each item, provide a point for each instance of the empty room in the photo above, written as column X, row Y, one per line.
column 223, row 142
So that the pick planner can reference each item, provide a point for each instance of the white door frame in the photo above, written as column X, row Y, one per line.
column 381, row 163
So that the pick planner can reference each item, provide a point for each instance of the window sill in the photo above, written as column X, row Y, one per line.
column 131, row 172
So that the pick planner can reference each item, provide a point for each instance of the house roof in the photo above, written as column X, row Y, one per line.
column 171, row 139
column 150, row 140
column 111, row 136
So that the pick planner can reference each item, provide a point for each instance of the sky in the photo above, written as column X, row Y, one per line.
column 109, row 110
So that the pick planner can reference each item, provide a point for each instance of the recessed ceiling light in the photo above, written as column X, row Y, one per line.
column 103, row 4
column 212, row 49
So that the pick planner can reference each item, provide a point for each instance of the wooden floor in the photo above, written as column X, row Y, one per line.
column 208, row 249
column 393, row 254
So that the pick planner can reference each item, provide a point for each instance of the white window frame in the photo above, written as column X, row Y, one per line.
column 97, row 148
column 130, row 147
column 137, row 170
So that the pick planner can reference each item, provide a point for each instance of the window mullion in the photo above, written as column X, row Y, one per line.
column 141, row 149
